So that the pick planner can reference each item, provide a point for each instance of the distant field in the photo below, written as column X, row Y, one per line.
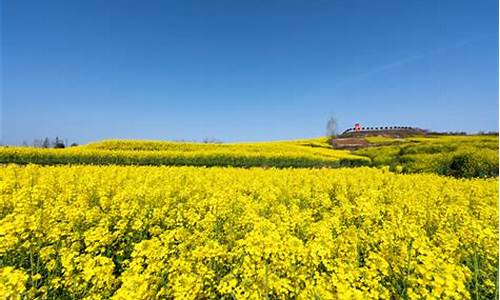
column 458, row 156
column 302, row 153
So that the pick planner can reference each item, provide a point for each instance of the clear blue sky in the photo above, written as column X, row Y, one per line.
column 244, row 70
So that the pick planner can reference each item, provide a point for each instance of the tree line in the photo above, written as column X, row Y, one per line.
column 46, row 142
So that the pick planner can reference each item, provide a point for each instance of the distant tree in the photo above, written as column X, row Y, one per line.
column 331, row 127
column 37, row 143
column 46, row 143
column 59, row 144
column 211, row 141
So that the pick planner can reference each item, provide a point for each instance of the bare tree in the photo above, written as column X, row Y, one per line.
column 37, row 143
column 46, row 143
column 331, row 127
column 211, row 140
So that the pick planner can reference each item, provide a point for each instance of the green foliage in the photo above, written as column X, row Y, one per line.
column 480, row 163
column 457, row 156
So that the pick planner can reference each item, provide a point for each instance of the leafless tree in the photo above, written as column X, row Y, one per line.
column 46, row 143
column 331, row 127
column 212, row 140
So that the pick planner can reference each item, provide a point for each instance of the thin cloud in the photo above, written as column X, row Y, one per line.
column 408, row 60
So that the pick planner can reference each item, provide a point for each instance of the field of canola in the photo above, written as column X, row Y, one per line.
column 458, row 156
column 299, row 154
column 136, row 232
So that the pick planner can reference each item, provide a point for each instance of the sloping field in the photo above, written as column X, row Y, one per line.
column 135, row 232
column 305, row 153
column 458, row 156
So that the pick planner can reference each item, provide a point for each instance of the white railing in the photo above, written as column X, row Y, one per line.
column 383, row 128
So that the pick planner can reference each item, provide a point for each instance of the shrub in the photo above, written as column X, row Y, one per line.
column 470, row 164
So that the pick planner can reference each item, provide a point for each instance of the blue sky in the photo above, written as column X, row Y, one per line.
column 244, row 70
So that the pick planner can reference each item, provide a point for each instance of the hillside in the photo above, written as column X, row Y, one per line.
column 458, row 156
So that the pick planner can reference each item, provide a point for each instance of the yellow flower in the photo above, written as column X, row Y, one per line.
column 198, row 233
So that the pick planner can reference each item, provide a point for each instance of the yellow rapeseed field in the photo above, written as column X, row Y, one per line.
column 302, row 154
column 132, row 232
